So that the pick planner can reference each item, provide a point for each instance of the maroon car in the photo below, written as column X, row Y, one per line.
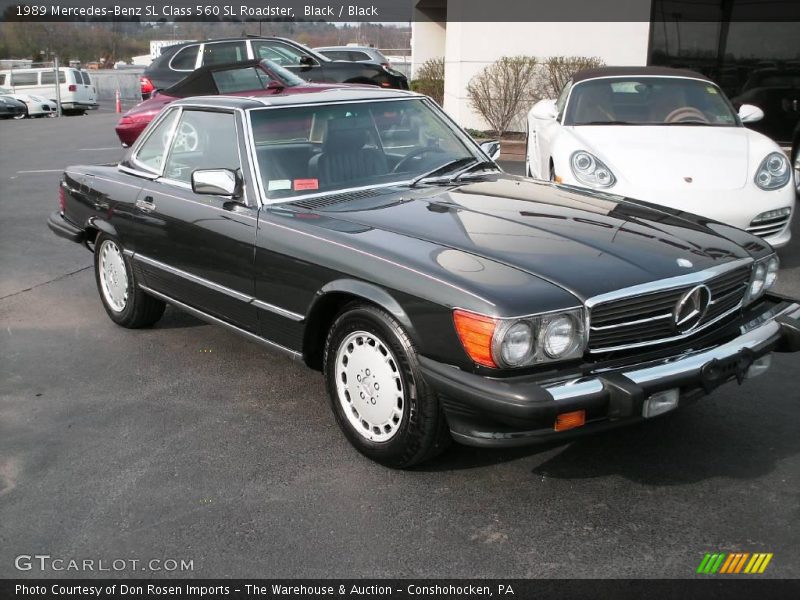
column 249, row 78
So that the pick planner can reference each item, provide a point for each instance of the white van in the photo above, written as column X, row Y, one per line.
column 78, row 93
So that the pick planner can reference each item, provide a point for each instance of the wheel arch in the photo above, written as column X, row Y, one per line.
column 329, row 301
column 95, row 226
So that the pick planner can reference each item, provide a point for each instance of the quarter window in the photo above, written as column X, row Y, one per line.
column 185, row 59
column 203, row 140
column 224, row 52
column 151, row 155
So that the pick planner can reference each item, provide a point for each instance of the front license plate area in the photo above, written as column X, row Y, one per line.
column 721, row 370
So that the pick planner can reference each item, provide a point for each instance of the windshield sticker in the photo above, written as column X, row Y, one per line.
column 279, row 184
column 306, row 184
column 711, row 90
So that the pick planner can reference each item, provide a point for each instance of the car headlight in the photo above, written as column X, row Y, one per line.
column 774, row 172
column 590, row 170
column 521, row 342
column 763, row 277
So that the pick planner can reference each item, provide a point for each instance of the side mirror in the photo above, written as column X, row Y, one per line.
column 217, row 182
column 491, row 149
column 750, row 114
column 545, row 109
column 307, row 61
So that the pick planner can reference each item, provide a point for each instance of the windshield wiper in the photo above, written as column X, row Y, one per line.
column 473, row 167
column 607, row 123
column 444, row 167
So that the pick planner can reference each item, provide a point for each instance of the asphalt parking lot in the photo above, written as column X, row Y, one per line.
column 185, row 442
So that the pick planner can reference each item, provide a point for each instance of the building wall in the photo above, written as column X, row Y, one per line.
column 472, row 46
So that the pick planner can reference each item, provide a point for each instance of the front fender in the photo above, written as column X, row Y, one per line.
column 369, row 292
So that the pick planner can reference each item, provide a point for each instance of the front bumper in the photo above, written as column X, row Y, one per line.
column 484, row 411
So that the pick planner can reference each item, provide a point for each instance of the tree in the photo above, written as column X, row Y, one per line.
column 499, row 92
column 557, row 70
column 429, row 79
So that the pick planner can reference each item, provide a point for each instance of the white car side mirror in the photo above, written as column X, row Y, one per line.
column 545, row 109
column 750, row 114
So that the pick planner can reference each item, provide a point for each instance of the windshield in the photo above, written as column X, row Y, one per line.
column 649, row 101
column 288, row 78
column 310, row 149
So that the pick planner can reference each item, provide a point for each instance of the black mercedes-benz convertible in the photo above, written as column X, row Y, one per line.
column 366, row 234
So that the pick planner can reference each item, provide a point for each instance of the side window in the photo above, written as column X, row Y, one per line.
column 151, row 155
column 283, row 54
column 49, row 77
column 223, row 52
column 203, row 140
column 336, row 54
column 562, row 98
column 25, row 78
column 356, row 56
column 185, row 59
column 240, row 80
column 2, row 78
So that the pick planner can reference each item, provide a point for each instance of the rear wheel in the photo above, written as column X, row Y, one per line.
column 796, row 165
column 124, row 301
column 376, row 390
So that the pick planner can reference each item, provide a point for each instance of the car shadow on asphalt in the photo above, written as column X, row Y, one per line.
column 177, row 319
column 693, row 444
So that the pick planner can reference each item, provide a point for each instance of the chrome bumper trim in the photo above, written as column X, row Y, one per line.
column 687, row 364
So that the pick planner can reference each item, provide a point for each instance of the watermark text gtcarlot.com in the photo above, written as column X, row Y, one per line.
column 46, row 562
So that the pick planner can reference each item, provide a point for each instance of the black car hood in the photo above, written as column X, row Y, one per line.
column 587, row 243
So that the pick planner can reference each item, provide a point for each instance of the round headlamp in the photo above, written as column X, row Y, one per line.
column 559, row 336
column 590, row 170
column 773, row 172
column 757, row 283
column 516, row 344
column 773, row 264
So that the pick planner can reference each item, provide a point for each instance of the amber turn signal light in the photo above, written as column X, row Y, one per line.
column 570, row 420
column 476, row 332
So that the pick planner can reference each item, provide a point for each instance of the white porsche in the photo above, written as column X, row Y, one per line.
column 666, row 136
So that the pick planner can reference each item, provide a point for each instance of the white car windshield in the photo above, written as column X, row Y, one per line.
column 649, row 101
column 329, row 147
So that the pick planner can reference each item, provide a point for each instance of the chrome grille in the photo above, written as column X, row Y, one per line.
column 767, row 228
column 646, row 319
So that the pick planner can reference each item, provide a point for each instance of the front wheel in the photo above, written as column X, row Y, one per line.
column 796, row 165
column 376, row 390
column 124, row 301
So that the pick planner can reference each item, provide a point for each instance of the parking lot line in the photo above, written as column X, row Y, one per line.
column 40, row 170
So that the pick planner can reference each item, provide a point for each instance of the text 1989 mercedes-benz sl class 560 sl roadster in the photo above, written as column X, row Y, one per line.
column 365, row 233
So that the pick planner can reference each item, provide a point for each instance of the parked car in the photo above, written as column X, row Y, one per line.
column 796, row 156
column 77, row 90
column 667, row 136
column 35, row 106
column 776, row 91
column 354, row 54
column 366, row 234
column 250, row 78
column 178, row 61
column 11, row 108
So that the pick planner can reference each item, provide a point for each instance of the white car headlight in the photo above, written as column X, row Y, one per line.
column 774, row 172
column 590, row 170
column 764, row 276
column 516, row 344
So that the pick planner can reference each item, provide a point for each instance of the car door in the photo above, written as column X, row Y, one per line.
column 299, row 62
column 197, row 248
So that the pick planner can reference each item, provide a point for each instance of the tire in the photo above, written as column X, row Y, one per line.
column 126, row 304
column 363, row 336
column 796, row 166
column 24, row 115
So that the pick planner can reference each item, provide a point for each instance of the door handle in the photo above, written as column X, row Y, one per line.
column 146, row 204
